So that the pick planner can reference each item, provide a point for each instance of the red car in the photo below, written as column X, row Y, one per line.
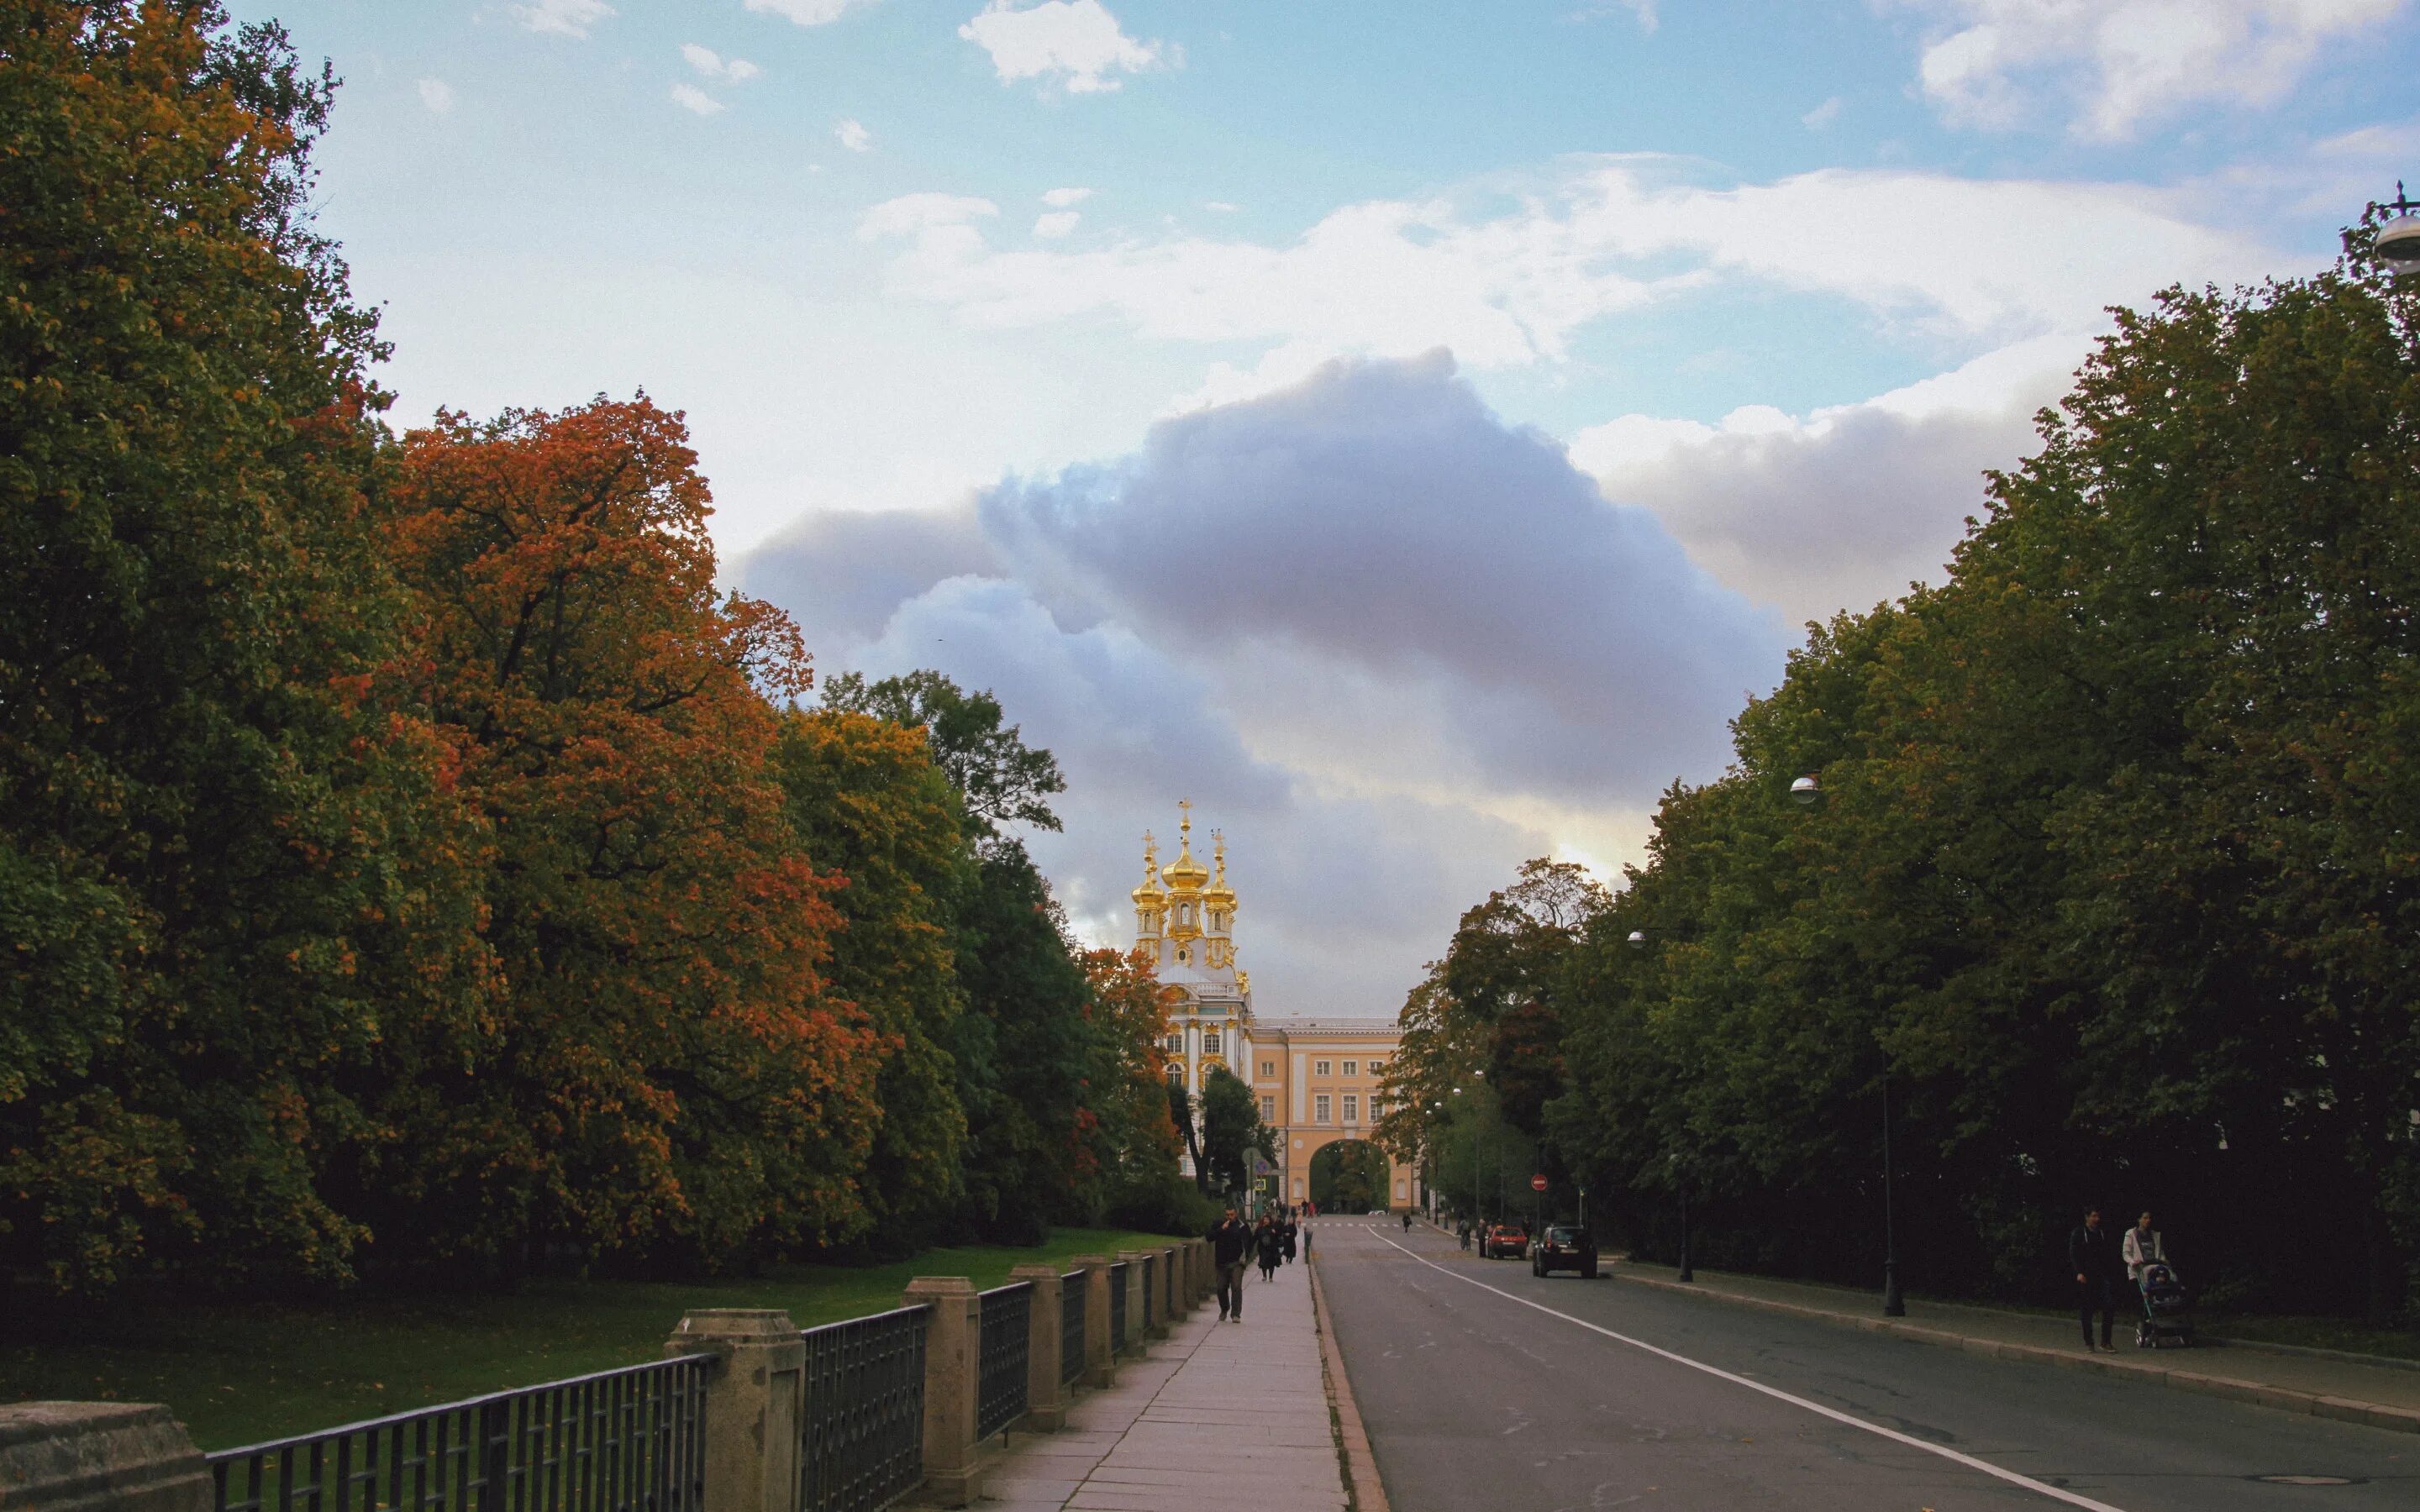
column 1506, row 1242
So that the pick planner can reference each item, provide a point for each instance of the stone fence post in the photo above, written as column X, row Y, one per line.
column 1045, row 1403
column 752, row 1404
column 99, row 1456
column 953, row 1384
column 1135, row 1331
column 1100, row 1367
column 1170, row 1287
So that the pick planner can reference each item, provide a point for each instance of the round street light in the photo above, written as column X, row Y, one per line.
column 1639, row 939
column 1806, row 790
column 2397, row 243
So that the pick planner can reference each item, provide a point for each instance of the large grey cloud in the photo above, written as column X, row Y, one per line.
column 1379, row 517
column 1384, row 640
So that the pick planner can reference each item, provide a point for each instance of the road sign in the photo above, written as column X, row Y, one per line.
column 1537, row 1183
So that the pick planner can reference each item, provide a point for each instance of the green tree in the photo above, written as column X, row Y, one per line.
column 1000, row 778
column 1231, row 1131
column 222, row 840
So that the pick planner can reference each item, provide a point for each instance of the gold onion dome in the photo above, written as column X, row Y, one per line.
column 1184, row 873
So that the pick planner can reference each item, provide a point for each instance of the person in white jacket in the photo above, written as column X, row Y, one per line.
column 2142, row 1248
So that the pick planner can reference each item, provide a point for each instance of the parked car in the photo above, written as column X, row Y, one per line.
column 1506, row 1242
column 1564, row 1247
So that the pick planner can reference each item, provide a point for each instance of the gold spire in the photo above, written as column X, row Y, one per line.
column 1185, row 874
column 1148, row 895
column 1220, row 896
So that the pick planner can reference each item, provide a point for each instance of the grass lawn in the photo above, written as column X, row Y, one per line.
column 244, row 1372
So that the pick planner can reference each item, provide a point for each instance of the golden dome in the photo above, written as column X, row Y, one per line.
column 1184, row 873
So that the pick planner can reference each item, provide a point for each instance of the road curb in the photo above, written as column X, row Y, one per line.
column 1352, row 1438
column 2340, row 1409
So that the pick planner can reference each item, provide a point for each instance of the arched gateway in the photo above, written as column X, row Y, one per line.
column 1316, row 1078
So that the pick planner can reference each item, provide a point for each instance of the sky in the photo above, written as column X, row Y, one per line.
column 1410, row 431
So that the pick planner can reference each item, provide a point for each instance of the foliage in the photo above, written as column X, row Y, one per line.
column 222, row 876
column 1349, row 1176
column 2111, row 890
column 1000, row 778
column 1231, row 1131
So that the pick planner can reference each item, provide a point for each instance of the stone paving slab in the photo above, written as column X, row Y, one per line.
column 1220, row 1417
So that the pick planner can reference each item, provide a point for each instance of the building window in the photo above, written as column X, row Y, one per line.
column 1175, row 1072
column 1176, row 1043
column 1376, row 1066
column 1319, row 1068
column 1353, row 1068
column 1268, row 1068
column 1210, row 1042
column 1352, row 1108
column 1268, row 1110
column 1319, row 1108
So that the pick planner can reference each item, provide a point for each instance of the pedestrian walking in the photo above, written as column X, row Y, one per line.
column 1270, row 1242
column 2142, row 1248
column 1287, row 1238
column 1306, row 1246
column 1227, row 1243
column 1408, row 1221
column 2093, row 1254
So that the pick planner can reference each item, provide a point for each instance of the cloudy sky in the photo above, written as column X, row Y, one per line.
column 1407, row 429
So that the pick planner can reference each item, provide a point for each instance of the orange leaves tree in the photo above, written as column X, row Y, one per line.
column 663, row 1071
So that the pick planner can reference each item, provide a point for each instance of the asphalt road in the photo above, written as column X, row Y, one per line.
column 1476, row 1402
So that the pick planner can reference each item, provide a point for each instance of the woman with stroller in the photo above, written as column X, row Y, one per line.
column 2143, row 1248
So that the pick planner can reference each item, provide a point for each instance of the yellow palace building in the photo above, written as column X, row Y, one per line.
column 1316, row 1077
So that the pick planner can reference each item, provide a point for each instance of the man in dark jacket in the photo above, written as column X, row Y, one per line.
column 2100, row 1268
column 1227, row 1243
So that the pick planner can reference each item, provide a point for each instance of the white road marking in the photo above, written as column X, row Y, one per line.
column 2054, row 1492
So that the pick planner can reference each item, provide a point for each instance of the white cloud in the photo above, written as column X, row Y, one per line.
column 1076, row 43
column 706, row 62
column 564, row 18
column 1843, row 508
column 437, row 95
column 1221, row 206
column 691, row 98
column 806, row 12
column 1973, row 261
column 1055, row 224
column 2114, row 64
column 1059, row 199
column 852, row 134
column 1822, row 116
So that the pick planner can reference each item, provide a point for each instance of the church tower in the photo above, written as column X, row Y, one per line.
column 1185, row 920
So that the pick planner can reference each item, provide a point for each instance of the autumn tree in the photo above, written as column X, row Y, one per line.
column 667, row 1071
column 1000, row 778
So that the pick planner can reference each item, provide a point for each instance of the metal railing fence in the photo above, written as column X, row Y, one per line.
column 1004, row 1357
column 1118, row 1307
column 1071, row 1326
column 620, row 1441
column 861, row 1424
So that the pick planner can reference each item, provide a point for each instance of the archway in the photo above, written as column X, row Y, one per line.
column 1349, row 1176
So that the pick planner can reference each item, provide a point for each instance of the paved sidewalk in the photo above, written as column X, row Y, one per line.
column 2345, row 1389
column 1220, row 1418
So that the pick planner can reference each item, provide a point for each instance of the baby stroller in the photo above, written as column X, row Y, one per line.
column 2166, row 1312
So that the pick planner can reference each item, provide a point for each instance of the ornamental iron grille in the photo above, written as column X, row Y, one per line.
column 861, row 1424
column 1004, row 1357
column 1118, row 1307
column 619, row 1441
column 1071, row 1326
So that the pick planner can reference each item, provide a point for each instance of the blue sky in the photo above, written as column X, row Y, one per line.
column 1711, row 316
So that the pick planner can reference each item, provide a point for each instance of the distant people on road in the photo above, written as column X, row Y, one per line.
column 2093, row 1254
column 2143, row 1248
column 1463, row 1229
column 1407, row 1220
column 1270, row 1243
column 1227, row 1244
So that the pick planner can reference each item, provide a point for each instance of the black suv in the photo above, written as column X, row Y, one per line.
column 1564, row 1247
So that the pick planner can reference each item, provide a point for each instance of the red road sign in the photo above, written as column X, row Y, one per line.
column 1537, row 1183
